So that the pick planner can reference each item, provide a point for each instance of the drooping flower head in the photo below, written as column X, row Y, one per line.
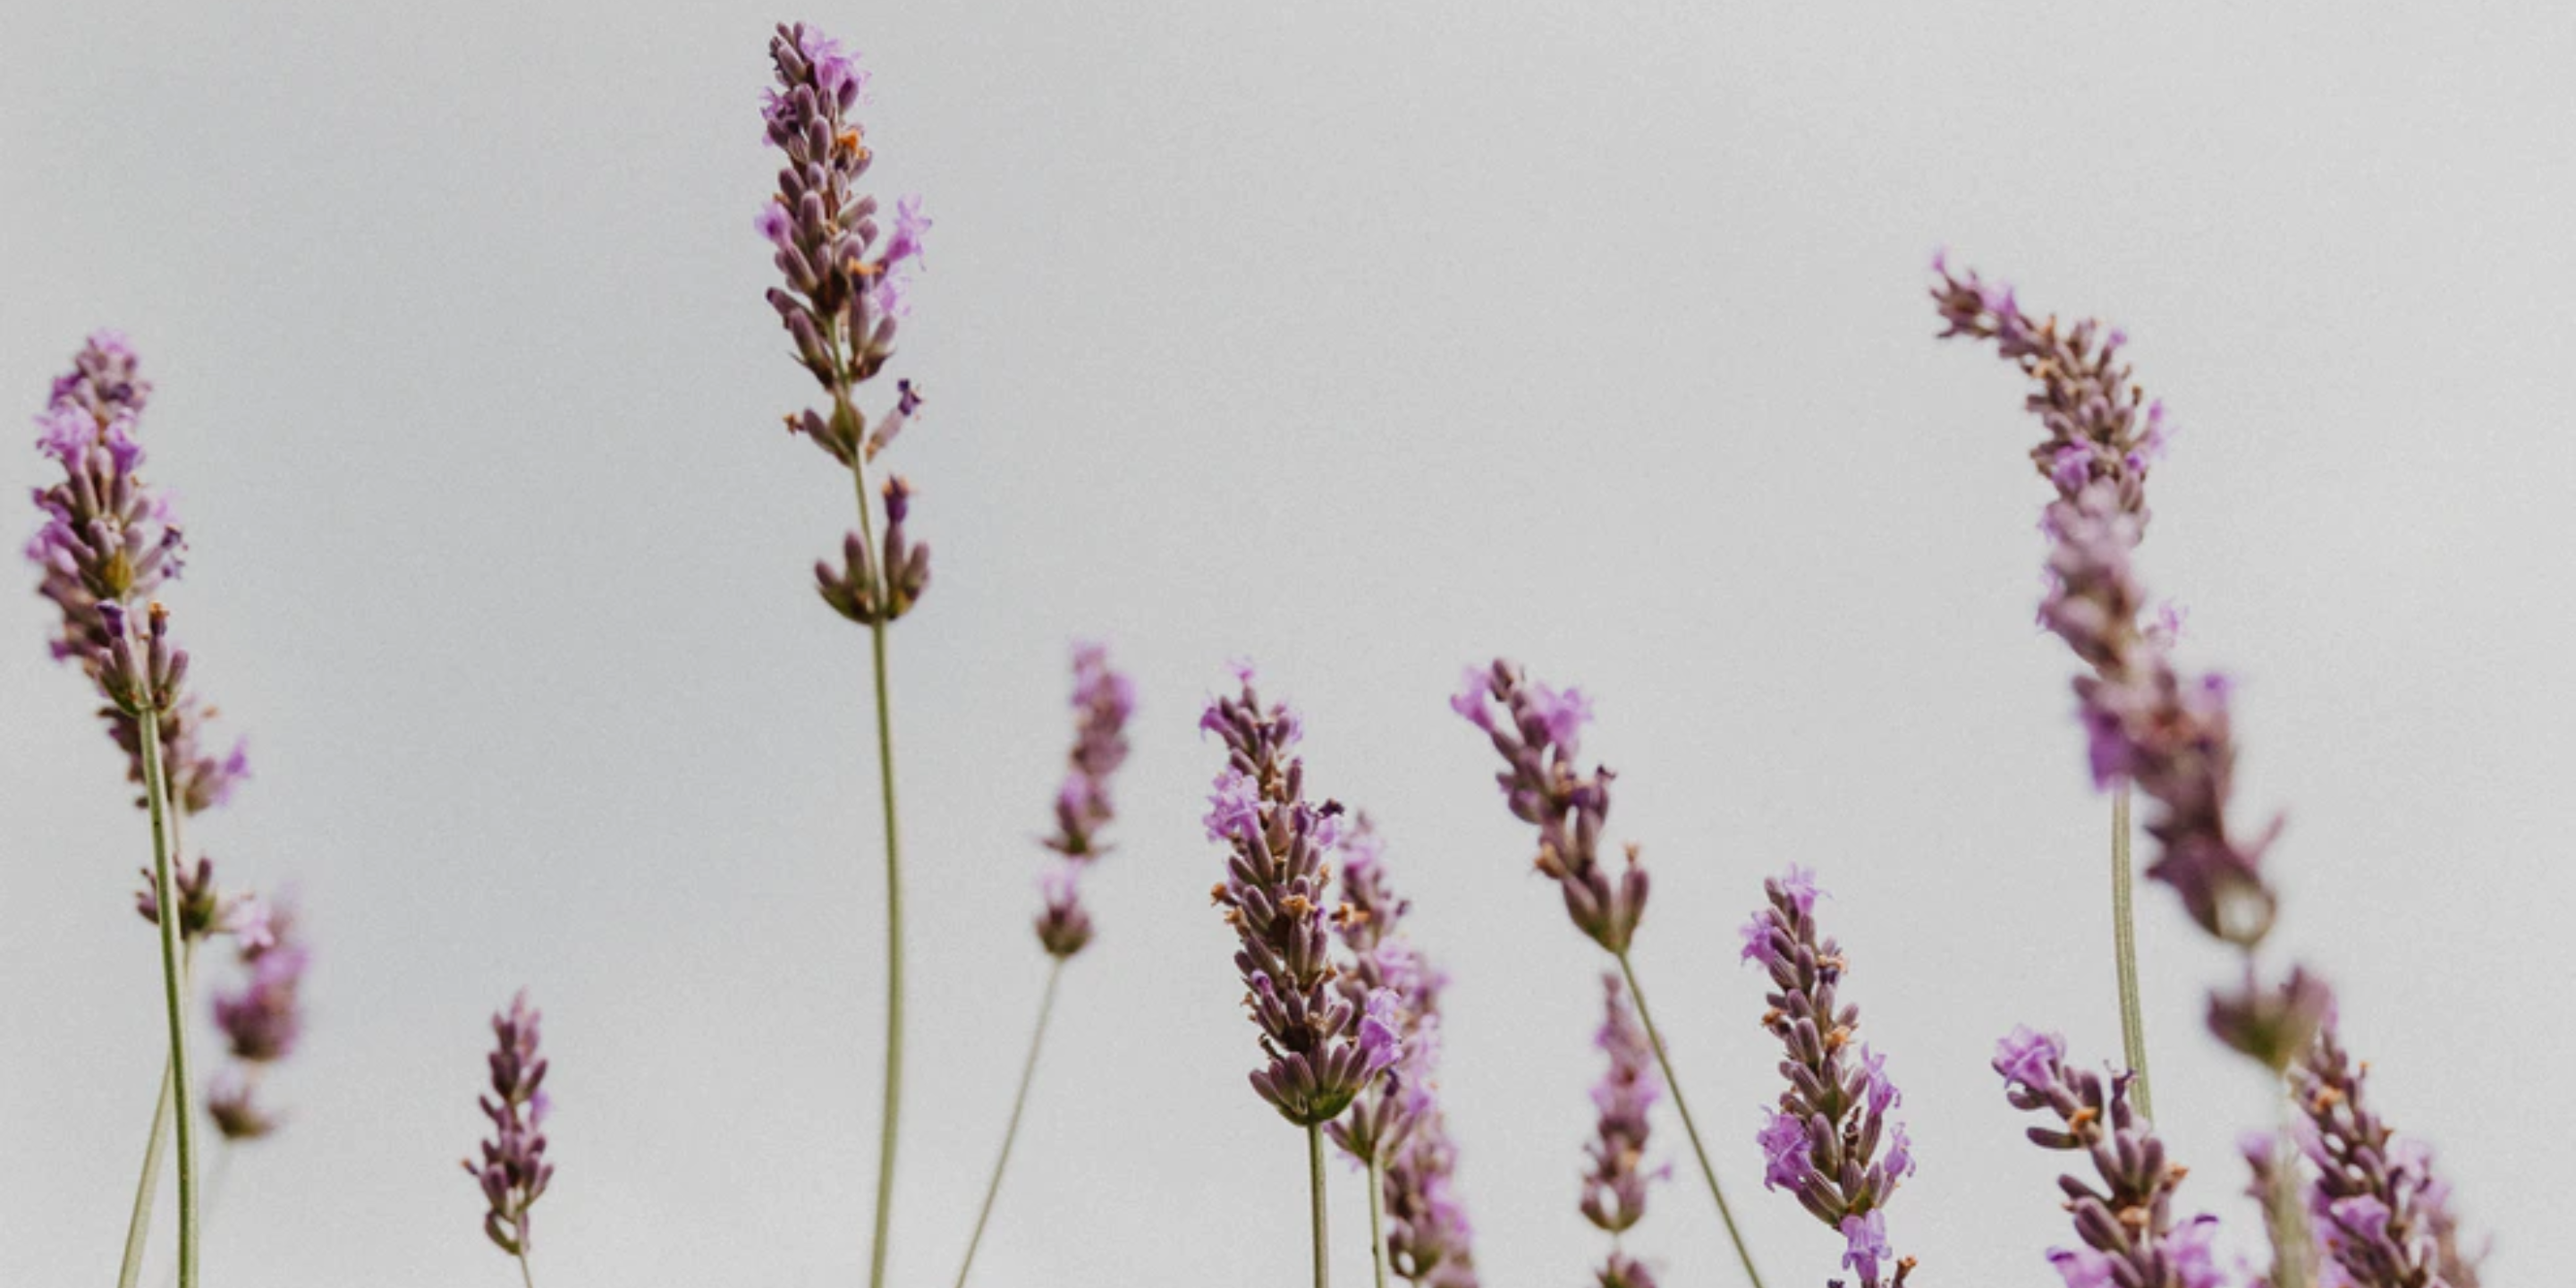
column 1103, row 699
column 1398, row 1118
column 1320, row 1054
column 514, row 1171
column 1829, row 1140
column 2123, row 1215
column 842, row 285
column 1538, row 735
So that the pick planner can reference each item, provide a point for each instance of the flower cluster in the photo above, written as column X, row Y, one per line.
column 1616, row 1175
column 1323, row 1049
column 2098, row 432
column 1398, row 1119
column 514, row 1171
column 1822, row 1142
column 842, row 290
column 260, row 1022
column 205, row 909
column 2129, row 1236
column 1103, row 699
column 107, row 543
column 2382, row 1218
column 1539, row 737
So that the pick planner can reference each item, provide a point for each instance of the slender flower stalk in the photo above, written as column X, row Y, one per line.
column 1822, row 1141
column 1538, row 736
column 1320, row 1049
column 514, row 1172
column 1103, row 700
column 2101, row 431
column 2123, row 1217
column 1616, row 1176
column 1396, row 1128
column 842, row 290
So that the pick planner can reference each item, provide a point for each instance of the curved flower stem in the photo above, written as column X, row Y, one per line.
column 2124, row 942
column 1377, row 1215
column 1028, row 1072
column 174, row 991
column 894, row 959
column 1315, row 1175
column 1689, row 1128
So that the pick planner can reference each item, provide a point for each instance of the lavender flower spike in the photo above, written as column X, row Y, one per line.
column 1822, row 1142
column 2124, row 1224
column 1103, row 700
column 1319, row 1054
column 1398, row 1121
column 514, row 1172
column 2381, row 1216
column 1616, row 1176
column 260, row 1022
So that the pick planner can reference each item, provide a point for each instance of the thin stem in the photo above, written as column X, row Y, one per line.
column 1315, row 1175
column 2124, row 943
column 1377, row 1215
column 138, row 1228
column 2292, row 1245
column 894, row 967
column 173, row 989
column 526, row 1276
column 1689, row 1128
column 1028, row 1073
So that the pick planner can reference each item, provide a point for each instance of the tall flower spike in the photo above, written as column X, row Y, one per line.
column 1103, row 700
column 1823, row 1141
column 2124, row 1224
column 260, row 1021
column 514, row 1171
column 1539, row 736
column 1615, row 1174
column 2382, row 1218
column 1319, row 1054
column 1428, row 1240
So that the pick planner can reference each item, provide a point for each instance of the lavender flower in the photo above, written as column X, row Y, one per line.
column 1103, row 700
column 1539, row 738
column 2381, row 1216
column 1822, row 1143
column 205, row 909
column 1398, row 1119
column 261, row 1022
column 2123, row 1218
column 1615, row 1180
column 1321, row 1054
column 840, row 294
column 514, row 1172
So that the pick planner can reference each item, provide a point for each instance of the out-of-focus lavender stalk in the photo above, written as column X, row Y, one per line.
column 1822, row 1142
column 514, row 1172
column 1396, row 1128
column 1615, row 1180
column 261, row 1022
column 841, row 291
column 1103, row 700
column 2382, row 1217
column 2126, row 1225
column 2098, row 433
column 1538, row 737
column 1322, row 1050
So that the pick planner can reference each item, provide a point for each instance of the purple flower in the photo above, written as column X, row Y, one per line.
column 1614, row 1185
column 2124, row 1213
column 773, row 223
column 1542, row 787
column 2381, row 1215
column 2029, row 1058
column 262, row 1019
column 1823, row 1137
column 514, row 1172
column 1469, row 701
column 1103, row 699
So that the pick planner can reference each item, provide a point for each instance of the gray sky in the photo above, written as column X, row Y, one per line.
column 1359, row 341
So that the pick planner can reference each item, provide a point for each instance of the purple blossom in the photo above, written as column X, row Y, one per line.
column 1614, row 1183
column 262, row 1019
column 1822, row 1140
column 1103, row 700
column 2123, row 1215
column 2381, row 1215
column 514, row 1172
column 1542, row 787
column 2028, row 1058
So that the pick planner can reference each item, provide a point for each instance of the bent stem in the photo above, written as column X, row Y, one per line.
column 1689, row 1128
column 2124, row 944
column 1377, row 1215
column 173, row 991
column 1315, row 1175
column 1010, row 1133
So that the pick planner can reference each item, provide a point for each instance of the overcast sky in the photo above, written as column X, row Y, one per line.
column 1360, row 339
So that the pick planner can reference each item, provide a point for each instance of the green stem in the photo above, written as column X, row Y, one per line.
column 1689, row 1128
column 174, row 991
column 138, row 1228
column 2292, row 1246
column 894, row 966
column 1028, row 1073
column 1315, row 1176
column 526, row 1276
column 1377, row 1215
column 2124, row 942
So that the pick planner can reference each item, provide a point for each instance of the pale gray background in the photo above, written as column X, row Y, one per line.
column 1363, row 342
